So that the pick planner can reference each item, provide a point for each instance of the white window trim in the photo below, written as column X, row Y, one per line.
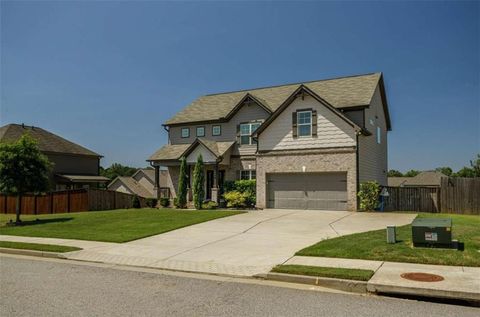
column 250, row 139
column 219, row 130
column 304, row 124
column 196, row 131
column 185, row 129
column 249, row 174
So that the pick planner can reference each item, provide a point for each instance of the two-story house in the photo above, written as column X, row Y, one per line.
column 309, row 145
column 73, row 166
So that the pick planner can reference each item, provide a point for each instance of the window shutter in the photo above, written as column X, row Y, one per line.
column 238, row 134
column 238, row 175
column 314, row 122
column 294, row 124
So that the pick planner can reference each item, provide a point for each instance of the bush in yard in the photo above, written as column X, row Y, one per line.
column 209, row 205
column 151, row 202
column 23, row 169
column 182, row 185
column 248, row 190
column 228, row 186
column 235, row 199
column 175, row 202
column 369, row 194
column 136, row 202
column 164, row 202
column 198, row 180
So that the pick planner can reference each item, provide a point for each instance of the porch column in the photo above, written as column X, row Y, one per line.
column 215, row 189
column 156, row 188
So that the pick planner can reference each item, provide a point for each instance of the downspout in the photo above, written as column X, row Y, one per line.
column 357, row 156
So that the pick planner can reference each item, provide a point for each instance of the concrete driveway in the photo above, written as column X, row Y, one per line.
column 242, row 245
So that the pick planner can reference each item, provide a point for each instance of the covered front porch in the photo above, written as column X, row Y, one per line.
column 216, row 159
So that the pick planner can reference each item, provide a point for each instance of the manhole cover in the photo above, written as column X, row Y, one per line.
column 422, row 277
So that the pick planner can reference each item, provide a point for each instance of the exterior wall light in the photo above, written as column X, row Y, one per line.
column 304, row 168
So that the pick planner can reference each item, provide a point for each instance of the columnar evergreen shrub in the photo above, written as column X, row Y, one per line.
column 182, row 185
column 198, row 180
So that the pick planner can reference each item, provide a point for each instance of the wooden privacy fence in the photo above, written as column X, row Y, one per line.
column 69, row 201
column 455, row 195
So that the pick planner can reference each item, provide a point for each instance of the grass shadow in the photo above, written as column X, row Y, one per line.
column 37, row 222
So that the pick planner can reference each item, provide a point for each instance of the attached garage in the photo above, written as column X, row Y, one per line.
column 316, row 191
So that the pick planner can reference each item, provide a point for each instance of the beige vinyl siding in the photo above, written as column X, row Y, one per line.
column 356, row 116
column 229, row 129
column 373, row 156
column 119, row 187
column 207, row 156
column 332, row 131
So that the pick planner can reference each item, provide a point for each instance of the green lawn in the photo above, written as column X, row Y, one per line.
column 111, row 226
column 349, row 274
column 373, row 246
column 37, row 246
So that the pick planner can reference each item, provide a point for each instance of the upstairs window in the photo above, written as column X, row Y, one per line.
column 248, row 174
column 185, row 132
column 200, row 131
column 246, row 130
column 304, row 123
column 216, row 130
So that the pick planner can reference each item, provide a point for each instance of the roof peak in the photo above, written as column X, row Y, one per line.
column 291, row 84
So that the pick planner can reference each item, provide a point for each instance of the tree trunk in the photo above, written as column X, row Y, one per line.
column 18, row 208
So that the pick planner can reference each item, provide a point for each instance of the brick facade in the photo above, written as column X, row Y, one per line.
column 324, row 161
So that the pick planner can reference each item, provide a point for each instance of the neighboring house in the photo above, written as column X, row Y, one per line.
column 73, row 165
column 308, row 145
column 142, row 183
column 423, row 179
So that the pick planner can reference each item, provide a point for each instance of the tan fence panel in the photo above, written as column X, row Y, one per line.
column 460, row 195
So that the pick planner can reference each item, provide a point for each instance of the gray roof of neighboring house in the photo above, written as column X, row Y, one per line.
column 397, row 181
column 149, row 172
column 176, row 151
column 84, row 178
column 134, row 186
column 47, row 141
column 427, row 178
column 342, row 92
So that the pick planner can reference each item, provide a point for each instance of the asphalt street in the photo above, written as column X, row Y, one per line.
column 37, row 287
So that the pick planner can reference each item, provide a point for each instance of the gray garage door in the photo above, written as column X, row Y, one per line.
column 321, row 191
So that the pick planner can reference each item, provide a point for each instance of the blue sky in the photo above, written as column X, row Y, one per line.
column 108, row 74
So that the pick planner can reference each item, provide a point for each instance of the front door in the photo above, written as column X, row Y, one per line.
column 209, row 184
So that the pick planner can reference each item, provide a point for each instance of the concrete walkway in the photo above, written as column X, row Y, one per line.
column 242, row 245
column 460, row 282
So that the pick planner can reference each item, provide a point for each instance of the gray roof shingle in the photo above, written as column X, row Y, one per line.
column 47, row 141
column 343, row 92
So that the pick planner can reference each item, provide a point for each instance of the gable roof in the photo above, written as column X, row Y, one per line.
column 47, row 141
column 345, row 92
column 397, row 181
column 148, row 172
column 176, row 151
column 301, row 90
column 133, row 186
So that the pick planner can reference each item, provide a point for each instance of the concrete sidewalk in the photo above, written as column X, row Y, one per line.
column 460, row 282
column 248, row 244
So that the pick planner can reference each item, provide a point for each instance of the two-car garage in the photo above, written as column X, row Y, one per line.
column 317, row 191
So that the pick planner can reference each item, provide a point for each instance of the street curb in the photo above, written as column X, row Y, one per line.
column 44, row 254
column 351, row 286
column 416, row 291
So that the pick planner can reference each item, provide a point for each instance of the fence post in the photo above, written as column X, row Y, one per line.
column 35, row 204
column 68, row 200
column 51, row 203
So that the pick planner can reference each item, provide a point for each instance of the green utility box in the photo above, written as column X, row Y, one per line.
column 432, row 232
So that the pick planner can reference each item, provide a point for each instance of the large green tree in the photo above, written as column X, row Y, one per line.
column 117, row 169
column 23, row 169
column 198, row 180
column 394, row 173
column 411, row 173
column 445, row 170
column 182, row 184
